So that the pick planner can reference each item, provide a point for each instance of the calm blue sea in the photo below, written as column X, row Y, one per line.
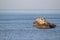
column 19, row 27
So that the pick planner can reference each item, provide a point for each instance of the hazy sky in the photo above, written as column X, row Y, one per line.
column 29, row 4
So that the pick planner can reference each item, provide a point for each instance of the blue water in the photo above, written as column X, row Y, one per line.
column 19, row 27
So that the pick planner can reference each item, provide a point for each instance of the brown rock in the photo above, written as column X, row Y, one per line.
column 42, row 23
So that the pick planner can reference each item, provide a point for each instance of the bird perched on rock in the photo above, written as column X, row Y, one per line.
column 42, row 23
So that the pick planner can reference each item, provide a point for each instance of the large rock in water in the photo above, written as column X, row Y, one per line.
column 42, row 23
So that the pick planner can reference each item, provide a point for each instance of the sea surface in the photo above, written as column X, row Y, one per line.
column 19, row 27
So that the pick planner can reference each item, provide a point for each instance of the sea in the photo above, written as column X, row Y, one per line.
column 20, row 27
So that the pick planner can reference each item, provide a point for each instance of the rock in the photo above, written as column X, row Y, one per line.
column 42, row 23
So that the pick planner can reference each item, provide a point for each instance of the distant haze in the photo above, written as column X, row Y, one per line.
column 29, row 4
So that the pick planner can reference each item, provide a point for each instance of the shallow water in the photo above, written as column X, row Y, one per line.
column 19, row 27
